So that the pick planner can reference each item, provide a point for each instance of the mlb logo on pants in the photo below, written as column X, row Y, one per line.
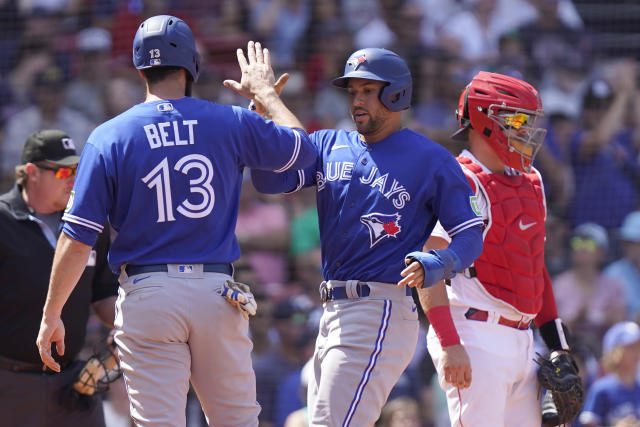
column 185, row 268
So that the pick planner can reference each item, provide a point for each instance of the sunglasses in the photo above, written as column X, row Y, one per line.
column 515, row 121
column 62, row 172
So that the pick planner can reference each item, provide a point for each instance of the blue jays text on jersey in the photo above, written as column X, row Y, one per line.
column 167, row 175
column 378, row 202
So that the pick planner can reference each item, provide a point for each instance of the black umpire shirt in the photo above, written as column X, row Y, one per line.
column 26, row 259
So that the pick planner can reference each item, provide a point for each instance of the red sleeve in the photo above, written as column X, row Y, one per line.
column 549, row 311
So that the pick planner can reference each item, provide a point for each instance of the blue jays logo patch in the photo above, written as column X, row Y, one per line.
column 357, row 62
column 381, row 226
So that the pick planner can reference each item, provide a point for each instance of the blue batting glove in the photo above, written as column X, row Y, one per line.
column 437, row 265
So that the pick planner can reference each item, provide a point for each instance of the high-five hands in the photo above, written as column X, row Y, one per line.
column 257, row 74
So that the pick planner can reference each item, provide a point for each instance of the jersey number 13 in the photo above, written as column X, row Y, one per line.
column 159, row 179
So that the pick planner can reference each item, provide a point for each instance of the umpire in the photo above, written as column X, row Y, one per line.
column 29, row 225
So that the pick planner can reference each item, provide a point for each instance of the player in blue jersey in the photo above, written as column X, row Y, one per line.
column 167, row 175
column 380, row 191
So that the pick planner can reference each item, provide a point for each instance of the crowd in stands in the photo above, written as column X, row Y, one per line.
column 66, row 64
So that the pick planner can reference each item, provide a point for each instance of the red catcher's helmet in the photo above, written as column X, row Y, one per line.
column 504, row 110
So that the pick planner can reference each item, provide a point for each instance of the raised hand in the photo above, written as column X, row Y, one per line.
column 257, row 74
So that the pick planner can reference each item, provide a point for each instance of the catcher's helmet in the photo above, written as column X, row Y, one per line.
column 165, row 41
column 504, row 111
column 385, row 66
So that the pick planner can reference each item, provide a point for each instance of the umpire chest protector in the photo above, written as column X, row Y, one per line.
column 511, row 266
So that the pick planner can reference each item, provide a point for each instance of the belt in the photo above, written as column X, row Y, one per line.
column 21, row 366
column 469, row 272
column 132, row 270
column 340, row 292
column 482, row 316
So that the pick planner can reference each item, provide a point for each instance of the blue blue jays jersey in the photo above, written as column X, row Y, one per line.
column 167, row 175
column 378, row 202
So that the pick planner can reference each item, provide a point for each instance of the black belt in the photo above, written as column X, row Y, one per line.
column 132, row 270
column 470, row 273
column 340, row 292
column 21, row 366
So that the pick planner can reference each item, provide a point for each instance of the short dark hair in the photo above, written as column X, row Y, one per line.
column 156, row 74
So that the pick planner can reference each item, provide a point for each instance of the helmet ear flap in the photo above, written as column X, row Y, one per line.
column 463, row 119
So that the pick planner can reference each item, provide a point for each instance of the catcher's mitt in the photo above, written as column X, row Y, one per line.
column 100, row 370
column 239, row 295
column 565, row 395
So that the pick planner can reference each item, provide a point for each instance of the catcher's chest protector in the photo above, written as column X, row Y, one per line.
column 512, row 263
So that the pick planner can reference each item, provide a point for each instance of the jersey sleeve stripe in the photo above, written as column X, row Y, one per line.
column 84, row 222
column 300, row 182
column 467, row 224
column 296, row 152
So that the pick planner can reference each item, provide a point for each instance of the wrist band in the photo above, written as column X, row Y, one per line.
column 442, row 323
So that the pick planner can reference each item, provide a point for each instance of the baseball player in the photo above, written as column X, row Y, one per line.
column 488, row 309
column 167, row 175
column 380, row 190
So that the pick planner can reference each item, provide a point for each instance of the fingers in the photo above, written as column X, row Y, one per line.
column 242, row 61
column 281, row 82
column 60, row 347
column 259, row 54
column 267, row 58
column 459, row 377
column 251, row 52
column 47, row 359
column 412, row 276
column 411, row 268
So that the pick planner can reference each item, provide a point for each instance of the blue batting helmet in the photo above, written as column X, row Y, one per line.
column 385, row 66
column 166, row 41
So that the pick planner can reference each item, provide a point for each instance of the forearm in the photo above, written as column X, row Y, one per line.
column 269, row 182
column 435, row 295
column 435, row 303
column 69, row 262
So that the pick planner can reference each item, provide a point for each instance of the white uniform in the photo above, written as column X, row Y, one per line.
column 504, row 388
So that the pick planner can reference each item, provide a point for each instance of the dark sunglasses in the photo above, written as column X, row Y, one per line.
column 62, row 172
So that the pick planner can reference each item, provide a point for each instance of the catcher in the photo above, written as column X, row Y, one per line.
column 480, row 337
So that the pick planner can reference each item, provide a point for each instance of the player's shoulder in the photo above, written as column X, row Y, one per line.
column 422, row 143
column 332, row 134
column 332, row 137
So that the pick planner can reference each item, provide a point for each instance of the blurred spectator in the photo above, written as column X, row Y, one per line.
column 48, row 111
column 32, row 58
column 293, row 349
column 300, row 417
column 441, row 79
column 587, row 300
column 400, row 412
column 557, row 254
column 435, row 14
column 473, row 33
column 261, row 325
column 554, row 34
column 122, row 93
column 604, row 154
column 553, row 159
column 262, row 231
column 280, row 24
column 292, row 393
column 627, row 269
column 614, row 400
column 91, row 69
